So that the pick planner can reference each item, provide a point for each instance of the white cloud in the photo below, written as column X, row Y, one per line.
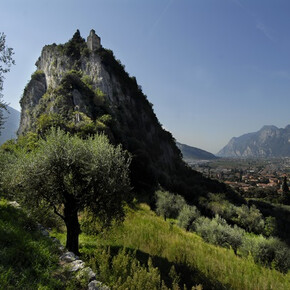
column 269, row 33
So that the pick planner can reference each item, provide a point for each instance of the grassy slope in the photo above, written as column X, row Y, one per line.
column 197, row 261
column 27, row 258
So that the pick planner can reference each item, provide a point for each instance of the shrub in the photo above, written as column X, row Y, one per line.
column 270, row 252
column 187, row 216
column 37, row 75
column 168, row 205
column 124, row 271
column 250, row 218
column 218, row 232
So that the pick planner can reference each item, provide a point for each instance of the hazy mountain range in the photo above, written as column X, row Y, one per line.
column 270, row 141
column 192, row 153
column 12, row 119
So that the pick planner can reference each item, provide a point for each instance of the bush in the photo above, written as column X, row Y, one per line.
column 168, row 205
column 124, row 271
column 187, row 216
column 218, row 232
column 250, row 218
column 270, row 252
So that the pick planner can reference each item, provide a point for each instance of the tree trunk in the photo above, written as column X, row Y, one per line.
column 72, row 227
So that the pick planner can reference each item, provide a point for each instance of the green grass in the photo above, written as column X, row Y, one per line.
column 28, row 260
column 196, row 261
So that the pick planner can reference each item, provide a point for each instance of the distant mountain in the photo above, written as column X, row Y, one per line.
column 12, row 120
column 192, row 153
column 270, row 141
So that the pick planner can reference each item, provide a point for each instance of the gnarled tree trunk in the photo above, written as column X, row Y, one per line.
column 72, row 226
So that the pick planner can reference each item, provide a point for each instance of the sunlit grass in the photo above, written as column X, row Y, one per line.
column 168, row 245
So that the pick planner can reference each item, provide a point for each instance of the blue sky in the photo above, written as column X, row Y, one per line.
column 213, row 69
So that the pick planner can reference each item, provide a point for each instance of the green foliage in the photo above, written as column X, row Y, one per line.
column 46, row 121
column 70, row 174
column 168, row 205
column 37, row 75
column 187, row 216
column 106, row 119
column 76, row 47
column 270, row 252
column 270, row 228
column 88, row 81
column 27, row 259
column 195, row 261
column 250, row 218
column 24, row 143
column 124, row 271
column 90, row 224
column 285, row 192
column 218, row 232
column 246, row 217
column 56, row 108
column 5, row 159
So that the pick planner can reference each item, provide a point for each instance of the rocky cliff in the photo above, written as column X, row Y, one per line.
column 270, row 141
column 82, row 88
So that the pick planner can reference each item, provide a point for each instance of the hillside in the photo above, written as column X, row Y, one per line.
column 28, row 260
column 81, row 87
column 190, row 153
column 12, row 119
column 195, row 261
column 269, row 141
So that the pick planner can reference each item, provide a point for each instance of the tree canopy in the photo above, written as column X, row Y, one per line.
column 71, row 174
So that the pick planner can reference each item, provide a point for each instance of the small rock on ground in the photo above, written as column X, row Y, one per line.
column 97, row 285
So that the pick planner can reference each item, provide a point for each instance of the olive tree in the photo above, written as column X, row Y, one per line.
column 71, row 174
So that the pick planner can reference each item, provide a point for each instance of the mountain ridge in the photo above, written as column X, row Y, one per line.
column 191, row 153
column 269, row 141
column 11, row 124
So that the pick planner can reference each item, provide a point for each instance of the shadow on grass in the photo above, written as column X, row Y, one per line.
column 189, row 276
column 26, row 257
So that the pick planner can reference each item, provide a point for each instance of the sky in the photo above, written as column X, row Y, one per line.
column 213, row 69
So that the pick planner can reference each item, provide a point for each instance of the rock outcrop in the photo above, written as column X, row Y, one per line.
column 81, row 87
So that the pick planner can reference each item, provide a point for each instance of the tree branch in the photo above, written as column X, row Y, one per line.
column 57, row 213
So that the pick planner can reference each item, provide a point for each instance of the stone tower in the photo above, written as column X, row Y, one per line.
column 93, row 41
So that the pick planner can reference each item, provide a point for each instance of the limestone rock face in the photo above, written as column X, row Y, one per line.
column 75, row 80
column 33, row 92
column 81, row 85
column 270, row 141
